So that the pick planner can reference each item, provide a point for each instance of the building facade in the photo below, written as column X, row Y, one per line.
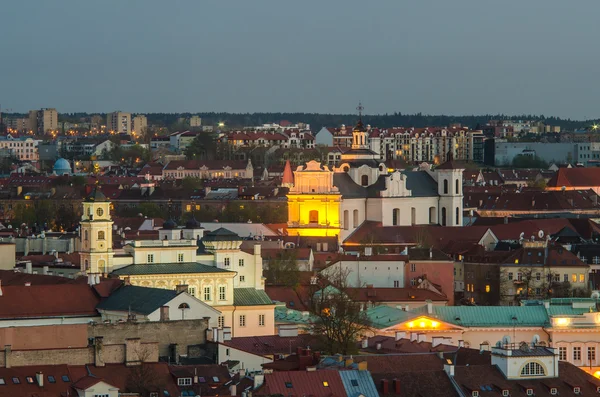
column 119, row 122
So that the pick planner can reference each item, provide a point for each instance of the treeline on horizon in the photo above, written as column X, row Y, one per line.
column 318, row 120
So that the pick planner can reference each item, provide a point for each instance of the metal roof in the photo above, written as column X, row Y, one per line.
column 385, row 316
column 358, row 383
column 490, row 316
column 168, row 268
column 137, row 299
column 250, row 297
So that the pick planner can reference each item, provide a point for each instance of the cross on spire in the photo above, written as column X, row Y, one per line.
column 360, row 109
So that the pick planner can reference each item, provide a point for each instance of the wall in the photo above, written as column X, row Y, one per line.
column 251, row 362
column 45, row 337
column 505, row 152
column 165, row 333
column 7, row 256
column 438, row 272
column 381, row 274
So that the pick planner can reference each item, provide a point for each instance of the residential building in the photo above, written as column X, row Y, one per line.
column 195, row 121
column 24, row 148
column 118, row 123
column 43, row 120
column 208, row 169
column 139, row 124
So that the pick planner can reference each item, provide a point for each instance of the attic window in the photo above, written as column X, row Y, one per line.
column 553, row 391
column 2, row 381
column 215, row 378
column 475, row 393
column 288, row 385
column 16, row 380
column 530, row 392
column 505, row 393
column 325, row 383
column 576, row 390
column 65, row 378
column 201, row 379
column 51, row 379
column 354, row 382
column 29, row 379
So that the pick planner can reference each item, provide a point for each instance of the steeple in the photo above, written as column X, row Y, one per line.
column 288, row 175
column 360, row 138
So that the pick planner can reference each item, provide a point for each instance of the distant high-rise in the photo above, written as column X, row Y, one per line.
column 195, row 121
column 119, row 122
column 140, row 123
column 43, row 120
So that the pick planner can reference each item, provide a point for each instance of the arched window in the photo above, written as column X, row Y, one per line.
column 396, row 216
column 364, row 180
column 445, row 186
column 443, row 216
column 85, row 235
column 457, row 216
column 313, row 216
column 346, row 220
column 533, row 369
column 456, row 187
column 86, row 264
column 432, row 215
column 101, row 235
column 355, row 218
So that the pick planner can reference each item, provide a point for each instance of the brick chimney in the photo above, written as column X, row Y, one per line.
column 396, row 383
column 164, row 313
column 385, row 386
column 181, row 288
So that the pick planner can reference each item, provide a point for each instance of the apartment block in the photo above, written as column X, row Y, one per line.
column 119, row 122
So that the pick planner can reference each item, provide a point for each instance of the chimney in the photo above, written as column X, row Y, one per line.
column 7, row 354
column 385, row 386
column 0, row 287
column 195, row 376
column 484, row 347
column 400, row 335
column 396, row 383
column 547, row 304
column 413, row 336
column 127, row 281
column 378, row 346
column 242, row 372
column 45, row 269
column 181, row 288
column 220, row 335
column 449, row 369
column 362, row 366
column 364, row 343
column 28, row 267
column 233, row 389
column 437, row 340
column 349, row 362
column 226, row 334
column 422, row 338
column 257, row 249
column 429, row 306
column 461, row 343
column 258, row 381
column 39, row 377
column 164, row 313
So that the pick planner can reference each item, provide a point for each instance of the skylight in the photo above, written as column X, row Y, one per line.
column 51, row 379
column 16, row 380
column 288, row 385
column 215, row 378
column 65, row 378
column 2, row 381
column 354, row 382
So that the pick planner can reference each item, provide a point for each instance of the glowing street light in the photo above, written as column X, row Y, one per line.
column 221, row 124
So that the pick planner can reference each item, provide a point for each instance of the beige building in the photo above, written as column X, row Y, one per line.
column 140, row 124
column 23, row 148
column 43, row 120
column 119, row 122
column 195, row 121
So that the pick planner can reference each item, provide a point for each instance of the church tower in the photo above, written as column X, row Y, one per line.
column 96, row 254
column 450, row 190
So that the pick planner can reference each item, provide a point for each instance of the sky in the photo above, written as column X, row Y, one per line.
column 436, row 57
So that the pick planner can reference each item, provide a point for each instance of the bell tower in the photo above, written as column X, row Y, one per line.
column 360, row 137
column 96, row 254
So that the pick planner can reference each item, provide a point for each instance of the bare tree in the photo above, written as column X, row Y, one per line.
column 143, row 378
column 339, row 320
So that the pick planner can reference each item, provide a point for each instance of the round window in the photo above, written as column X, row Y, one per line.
column 99, row 212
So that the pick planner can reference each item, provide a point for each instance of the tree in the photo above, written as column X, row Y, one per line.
column 339, row 321
column 191, row 183
column 525, row 161
column 283, row 269
column 203, row 147
column 143, row 378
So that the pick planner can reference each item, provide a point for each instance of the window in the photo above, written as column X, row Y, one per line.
column 221, row 321
column 192, row 291
column 474, row 393
column 445, row 186
column 505, row 393
column 242, row 320
column 150, row 258
column 577, row 353
column 443, row 216
column 288, row 385
column 581, row 278
column 355, row 218
column 396, row 216
column 538, row 276
column 346, row 220
column 51, row 379
column 456, row 187
column 222, row 293
column 227, row 352
column 554, row 391
column 179, row 257
column 566, row 278
column 457, row 215
column 364, row 180
column 487, row 288
column 591, row 353
column 396, row 284
column 16, row 380
column 101, row 235
column 29, row 379
column 530, row 392
column 85, row 235
column 562, row 353
column 354, row 382
column 242, row 279
column 532, row 368
column 184, row 381
column 207, row 294
column 510, row 276
column 325, row 383
column 261, row 320
column 241, row 263
column 65, row 378
column 313, row 216
column 227, row 262
column 413, row 267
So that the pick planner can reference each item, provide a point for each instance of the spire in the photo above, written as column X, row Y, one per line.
column 359, row 125
column 288, row 176
column 359, row 134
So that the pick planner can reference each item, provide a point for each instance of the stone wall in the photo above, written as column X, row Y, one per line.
column 182, row 333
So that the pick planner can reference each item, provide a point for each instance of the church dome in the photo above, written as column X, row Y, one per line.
column 169, row 224
column 192, row 223
column 62, row 167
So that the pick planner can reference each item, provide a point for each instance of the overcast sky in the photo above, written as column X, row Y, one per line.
column 439, row 57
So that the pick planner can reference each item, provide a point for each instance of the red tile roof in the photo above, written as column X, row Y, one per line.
column 271, row 344
column 210, row 164
column 394, row 295
column 48, row 301
column 575, row 177
column 303, row 383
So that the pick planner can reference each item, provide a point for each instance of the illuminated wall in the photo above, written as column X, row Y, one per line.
column 314, row 215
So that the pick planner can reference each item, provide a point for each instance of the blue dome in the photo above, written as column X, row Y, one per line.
column 62, row 167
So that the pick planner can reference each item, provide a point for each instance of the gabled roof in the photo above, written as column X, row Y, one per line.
column 140, row 300
column 250, row 297
column 271, row 344
column 575, row 177
column 221, row 234
column 493, row 316
column 303, row 383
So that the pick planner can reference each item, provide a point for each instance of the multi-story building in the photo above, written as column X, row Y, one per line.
column 43, row 120
column 195, row 121
column 119, row 122
column 208, row 169
column 140, row 124
column 23, row 148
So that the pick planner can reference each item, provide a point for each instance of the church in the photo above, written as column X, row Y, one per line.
column 336, row 201
column 211, row 266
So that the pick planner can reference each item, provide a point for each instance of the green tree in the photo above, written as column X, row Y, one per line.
column 203, row 147
column 191, row 183
column 525, row 161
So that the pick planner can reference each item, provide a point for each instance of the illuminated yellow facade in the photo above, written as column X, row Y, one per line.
column 313, row 202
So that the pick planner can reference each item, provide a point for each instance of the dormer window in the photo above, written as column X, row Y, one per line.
column 184, row 381
column 577, row 390
column 474, row 393
column 505, row 393
column 530, row 392
column 533, row 369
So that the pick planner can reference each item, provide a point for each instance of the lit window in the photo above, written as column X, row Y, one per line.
column 533, row 369
column 325, row 383
column 581, row 278
column 487, row 288
column 29, row 379
column 573, row 278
